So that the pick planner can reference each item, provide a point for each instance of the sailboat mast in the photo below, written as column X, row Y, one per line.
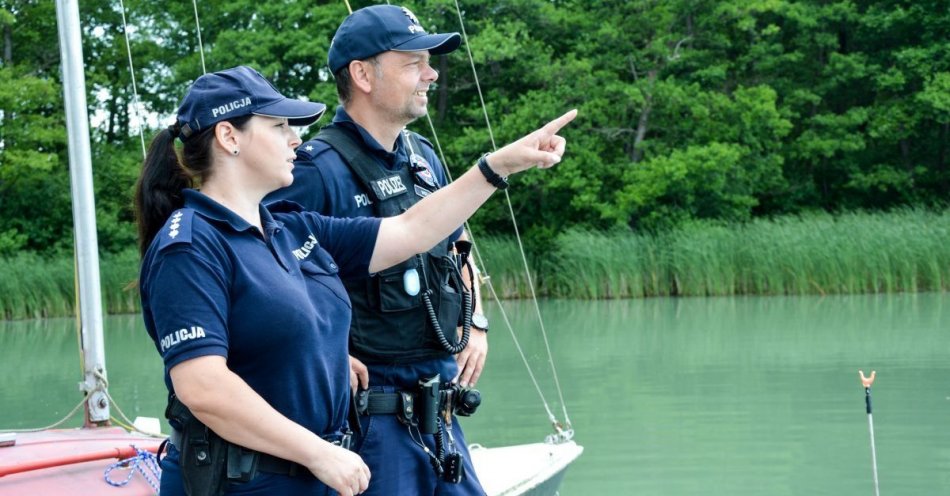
column 84, row 213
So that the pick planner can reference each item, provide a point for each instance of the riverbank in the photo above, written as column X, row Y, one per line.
column 36, row 286
column 901, row 251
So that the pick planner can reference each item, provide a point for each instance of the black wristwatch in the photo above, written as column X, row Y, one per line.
column 479, row 321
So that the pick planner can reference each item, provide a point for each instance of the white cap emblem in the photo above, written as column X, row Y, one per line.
column 410, row 15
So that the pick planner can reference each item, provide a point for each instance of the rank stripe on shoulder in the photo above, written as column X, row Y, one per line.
column 177, row 229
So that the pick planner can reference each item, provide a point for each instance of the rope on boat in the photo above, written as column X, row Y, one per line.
column 144, row 462
column 485, row 279
column 54, row 424
column 128, row 424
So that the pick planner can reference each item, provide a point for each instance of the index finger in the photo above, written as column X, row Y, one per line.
column 554, row 126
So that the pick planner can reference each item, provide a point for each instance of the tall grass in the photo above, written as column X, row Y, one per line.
column 35, row 286
column 508, row 276
column 901, row 251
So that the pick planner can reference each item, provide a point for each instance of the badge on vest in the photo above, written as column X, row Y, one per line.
column 420, row 191
column 422, row 169
column 388, row 187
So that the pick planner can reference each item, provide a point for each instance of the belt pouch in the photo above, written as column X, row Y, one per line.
column 428, row 405
column 203, row 453
column 242, row 464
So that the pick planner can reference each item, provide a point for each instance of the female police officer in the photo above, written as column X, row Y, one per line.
column 245, row 304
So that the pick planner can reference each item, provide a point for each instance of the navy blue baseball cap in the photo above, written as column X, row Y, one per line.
column 380, row 28
column 237, row 92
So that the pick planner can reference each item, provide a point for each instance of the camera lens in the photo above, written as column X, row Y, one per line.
column 468, row 402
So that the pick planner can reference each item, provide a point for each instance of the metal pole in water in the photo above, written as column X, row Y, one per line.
column 866, row 382
column 84, row 213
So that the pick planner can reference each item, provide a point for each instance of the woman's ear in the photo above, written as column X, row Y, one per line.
column 226, row 137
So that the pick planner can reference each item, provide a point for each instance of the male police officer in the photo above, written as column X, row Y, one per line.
column 366, row 164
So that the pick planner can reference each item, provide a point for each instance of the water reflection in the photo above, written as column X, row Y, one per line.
column 739, row 395
column 736, row 396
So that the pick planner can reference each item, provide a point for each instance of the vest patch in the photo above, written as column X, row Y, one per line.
column 388, row 187
column 422, row 170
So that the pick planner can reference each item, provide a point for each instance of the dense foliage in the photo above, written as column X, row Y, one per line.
column 690, row 109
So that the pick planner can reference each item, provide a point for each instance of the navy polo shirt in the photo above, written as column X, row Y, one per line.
column 273, row 306
column 324, row 183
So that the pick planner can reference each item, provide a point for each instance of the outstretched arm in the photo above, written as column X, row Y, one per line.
column 440, row 213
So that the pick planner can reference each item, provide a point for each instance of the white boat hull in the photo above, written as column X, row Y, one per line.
column 527, row 469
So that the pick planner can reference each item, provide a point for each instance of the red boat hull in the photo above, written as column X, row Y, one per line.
column 72, row 461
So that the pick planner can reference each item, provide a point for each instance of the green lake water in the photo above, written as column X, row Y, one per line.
column 692, row 396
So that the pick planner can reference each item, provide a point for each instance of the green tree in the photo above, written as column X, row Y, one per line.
column 708, row 109
column 34, row 188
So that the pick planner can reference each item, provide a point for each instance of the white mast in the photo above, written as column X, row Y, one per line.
column 84, row 213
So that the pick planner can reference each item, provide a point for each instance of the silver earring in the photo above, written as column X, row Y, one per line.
column 235, row 151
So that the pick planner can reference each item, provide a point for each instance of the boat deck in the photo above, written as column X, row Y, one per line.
column 72, row 462
column 524, row 469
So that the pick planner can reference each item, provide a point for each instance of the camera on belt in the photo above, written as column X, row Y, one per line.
column 435, row 400
column 464, row 400
column 444, row 399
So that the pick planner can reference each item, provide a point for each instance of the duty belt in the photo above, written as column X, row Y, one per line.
column 428, row 409
column 274, row 465
column 380, row 403
column 443, row 400
column 269, row 463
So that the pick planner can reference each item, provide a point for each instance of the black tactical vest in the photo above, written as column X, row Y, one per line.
column 389, row 325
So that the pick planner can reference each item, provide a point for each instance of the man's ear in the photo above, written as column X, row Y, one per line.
column 362, row 74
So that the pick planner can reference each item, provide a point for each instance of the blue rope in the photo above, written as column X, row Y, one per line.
column 146, row 463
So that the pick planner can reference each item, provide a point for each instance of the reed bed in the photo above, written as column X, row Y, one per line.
column 901, row 251
column 34, row 286
column 507, row 277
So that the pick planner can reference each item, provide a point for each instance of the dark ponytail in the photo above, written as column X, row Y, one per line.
column 158, row 191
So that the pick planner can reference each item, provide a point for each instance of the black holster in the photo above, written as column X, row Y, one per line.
column 203, row 453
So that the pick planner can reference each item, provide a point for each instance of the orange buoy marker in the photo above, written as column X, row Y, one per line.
column 866, row 382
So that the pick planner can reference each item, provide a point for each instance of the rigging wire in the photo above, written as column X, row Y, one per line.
column 128, row 424
column 99, row 374
column 514, row 222
column 135, row 93
column 201, row 48
column 483, row 277
column 78, row 308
